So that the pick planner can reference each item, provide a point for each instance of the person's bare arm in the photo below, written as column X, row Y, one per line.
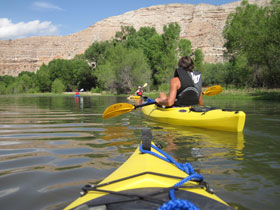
column 200, row 102
column 170, row 99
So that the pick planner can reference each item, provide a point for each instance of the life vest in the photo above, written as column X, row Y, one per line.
column 189, row 92
column 139, row 92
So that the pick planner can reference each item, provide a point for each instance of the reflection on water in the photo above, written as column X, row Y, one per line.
column 51, row 146
column 200, row 138
column 204, row 149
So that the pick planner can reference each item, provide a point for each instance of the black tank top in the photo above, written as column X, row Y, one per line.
column 190, row 90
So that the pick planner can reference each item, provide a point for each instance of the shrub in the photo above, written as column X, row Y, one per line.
column 58, row 86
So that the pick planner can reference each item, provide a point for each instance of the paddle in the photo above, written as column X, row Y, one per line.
column 121, row 108
column 145, row 85
column 213, row 90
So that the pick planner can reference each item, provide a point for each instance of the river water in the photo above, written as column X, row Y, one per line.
column 52, row 146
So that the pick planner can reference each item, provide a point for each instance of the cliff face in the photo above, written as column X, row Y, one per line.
column 202, row 24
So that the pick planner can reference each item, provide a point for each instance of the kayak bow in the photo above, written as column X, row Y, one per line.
column 150, row 179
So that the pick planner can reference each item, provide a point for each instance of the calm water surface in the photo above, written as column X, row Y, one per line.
column 52, row 146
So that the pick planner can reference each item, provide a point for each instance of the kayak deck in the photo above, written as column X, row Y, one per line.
column 134, row 97
column 216, row 119
column 143, row 182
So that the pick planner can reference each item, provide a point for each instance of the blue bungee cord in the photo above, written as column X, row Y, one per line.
column 174, row 203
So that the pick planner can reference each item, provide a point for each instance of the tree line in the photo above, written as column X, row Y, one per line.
column 132, row 58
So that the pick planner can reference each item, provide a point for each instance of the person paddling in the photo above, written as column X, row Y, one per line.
column 139, row 91
column 185, row 87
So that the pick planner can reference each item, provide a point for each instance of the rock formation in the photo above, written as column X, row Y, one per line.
column 202, row 24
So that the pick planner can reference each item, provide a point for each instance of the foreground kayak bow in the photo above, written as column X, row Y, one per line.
column 150, row 179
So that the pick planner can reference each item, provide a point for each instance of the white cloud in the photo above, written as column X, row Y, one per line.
column 46, row 5
column 9, row 30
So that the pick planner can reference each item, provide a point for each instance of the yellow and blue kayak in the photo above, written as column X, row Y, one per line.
column 200, row 117
column 150, row 179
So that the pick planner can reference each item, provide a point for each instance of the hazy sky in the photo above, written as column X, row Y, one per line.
column 24, row 18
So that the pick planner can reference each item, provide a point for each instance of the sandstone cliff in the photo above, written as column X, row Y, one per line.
column 202, row 24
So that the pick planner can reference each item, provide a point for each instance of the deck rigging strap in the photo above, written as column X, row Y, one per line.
column 186, row 167
column 173, row 203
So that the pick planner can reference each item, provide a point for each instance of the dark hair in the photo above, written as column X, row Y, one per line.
column 186, row 63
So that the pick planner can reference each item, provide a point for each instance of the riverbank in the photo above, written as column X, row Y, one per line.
column 235, row 94
column 244, row 94
column 251, row 94
column 83, row 93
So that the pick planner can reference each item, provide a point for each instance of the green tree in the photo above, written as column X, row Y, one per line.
column 124, row 68
column 167, row 62
column 7, row 79
column 82, row 76
column 55, row 68
column 26, row 82
column 213, row 74
column 43, row 79
column 2, row 88
column 5, row 82
column 125, row 33
column 198, row 59
column 253, row 32
column 58, row 86
column 184, row 47
column 161, row 53
column 74, row 74
column 95, row 53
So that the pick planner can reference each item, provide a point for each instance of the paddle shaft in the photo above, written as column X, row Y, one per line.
column 146, row 104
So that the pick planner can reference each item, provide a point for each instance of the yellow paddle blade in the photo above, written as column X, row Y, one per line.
column 145, row 85
column 213, row 90
column 117, row 109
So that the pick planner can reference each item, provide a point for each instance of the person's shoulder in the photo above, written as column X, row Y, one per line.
column 196, row 72
column 175, row 81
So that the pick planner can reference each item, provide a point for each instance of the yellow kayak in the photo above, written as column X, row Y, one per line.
column 149, row 179
column 204, row 117
column 134, row 97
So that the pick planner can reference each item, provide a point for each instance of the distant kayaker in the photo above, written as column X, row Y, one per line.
column 139, row 91
column 185, row 87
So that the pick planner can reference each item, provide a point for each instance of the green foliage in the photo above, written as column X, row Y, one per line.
column 2, row 88
column 184, row 47
column 25, row 82
column 213, row 74
column 135, row 57
column 167, row 61
column 7, row 79
column 5, row 82
column 58, row 86
column 95, row 53
column 252, row 35
column 164, row 87
column 75, row 74
column 96, row 90
column 125, row 33
column 123, row 69
column 11, row 88
column 43, row 79
column 132, row 58
column 171, row 36
column 198, row 59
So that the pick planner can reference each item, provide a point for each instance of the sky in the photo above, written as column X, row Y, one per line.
column 25, row 18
